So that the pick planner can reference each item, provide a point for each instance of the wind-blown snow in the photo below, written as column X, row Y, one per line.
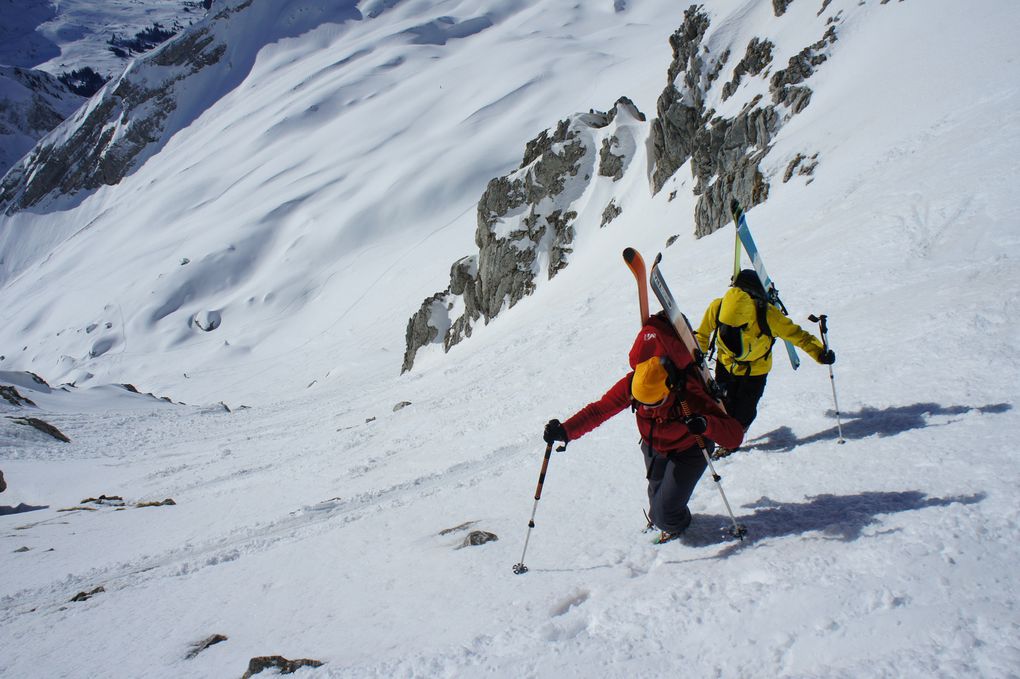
column 311, row 210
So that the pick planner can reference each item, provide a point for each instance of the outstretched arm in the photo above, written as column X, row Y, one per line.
column 783, row 328
column 592, row 415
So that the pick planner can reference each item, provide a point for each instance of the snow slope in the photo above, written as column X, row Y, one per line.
column 310, row 524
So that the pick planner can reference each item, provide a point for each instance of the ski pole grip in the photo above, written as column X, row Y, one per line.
column 541, row 475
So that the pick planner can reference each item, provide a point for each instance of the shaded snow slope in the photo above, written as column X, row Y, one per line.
column 310, row 524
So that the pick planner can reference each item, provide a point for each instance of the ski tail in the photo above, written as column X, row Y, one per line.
column 636, row 264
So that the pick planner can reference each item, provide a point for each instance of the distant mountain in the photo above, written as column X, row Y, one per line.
column 53, row 55
column 32, row 102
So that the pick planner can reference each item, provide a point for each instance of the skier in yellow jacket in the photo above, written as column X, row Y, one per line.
column 743, row 326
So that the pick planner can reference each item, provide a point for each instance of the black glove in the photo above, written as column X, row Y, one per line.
column 554, row 431
column 828, row 357
column 696, row 424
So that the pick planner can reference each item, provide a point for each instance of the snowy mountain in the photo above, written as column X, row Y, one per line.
column 32, row 103
column 55, row 53
column 255, row 272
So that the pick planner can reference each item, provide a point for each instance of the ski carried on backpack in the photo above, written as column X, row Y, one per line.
column 683, row 328
column 636, row 264
column 744, row 237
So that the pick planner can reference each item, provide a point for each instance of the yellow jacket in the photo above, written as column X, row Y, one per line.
column 753, row 355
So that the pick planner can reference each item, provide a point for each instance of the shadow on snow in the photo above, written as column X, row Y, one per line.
column 867, row 422
column 836, row 517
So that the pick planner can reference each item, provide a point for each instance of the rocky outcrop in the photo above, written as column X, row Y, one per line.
column 32, row 103
column 755, row 60
column 525, row 225
column 779, row 6
column 785, row 85
column 725, row 153
column 43, row 426
column 277, row 662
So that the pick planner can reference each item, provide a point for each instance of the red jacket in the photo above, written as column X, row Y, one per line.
column 660, row 426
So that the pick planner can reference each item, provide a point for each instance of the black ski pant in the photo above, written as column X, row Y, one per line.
column 671, row 481
column 742, row 394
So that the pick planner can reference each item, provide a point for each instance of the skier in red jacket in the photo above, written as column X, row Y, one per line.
column 654, row 389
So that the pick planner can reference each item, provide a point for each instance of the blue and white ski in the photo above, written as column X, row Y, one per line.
column 744, row 234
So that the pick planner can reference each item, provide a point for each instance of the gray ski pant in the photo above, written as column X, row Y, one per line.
column 671, row 481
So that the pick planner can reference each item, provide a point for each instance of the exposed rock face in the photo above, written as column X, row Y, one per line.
column 525, row 225
column 785, row 84
column 756, row 59
column 32, row 103
column 779, row 6
column 132, row 117
column 724, row 153
column 278, row 662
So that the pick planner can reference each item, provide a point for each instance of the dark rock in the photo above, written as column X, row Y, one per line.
column 257, row 665
column 779, row 6
column 11, row 395
column 21, row 550
column 478, row 537
column 42, row 426
column 610, row 164
column 784, row 85
column 165, row 503
column 110, row 500
column 200, row 646
column 611, row 212
column 84, row 596
column 401, row 405
column 755, row 60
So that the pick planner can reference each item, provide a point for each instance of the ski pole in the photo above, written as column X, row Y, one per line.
column 821, row 321
column 738, row 531
column 520, row 568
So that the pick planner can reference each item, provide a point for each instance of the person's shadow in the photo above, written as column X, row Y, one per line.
column 21, row 509
column 867, row 422
column 835, row 517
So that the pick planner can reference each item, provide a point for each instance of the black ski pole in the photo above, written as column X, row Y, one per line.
column 520, row 568
column 738, row 530
column 823, row 326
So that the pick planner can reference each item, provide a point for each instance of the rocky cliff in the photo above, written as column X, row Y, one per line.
column 526, row 224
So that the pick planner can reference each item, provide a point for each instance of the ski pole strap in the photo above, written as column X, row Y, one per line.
column 822, row 326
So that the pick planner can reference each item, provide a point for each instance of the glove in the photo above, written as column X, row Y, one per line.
column 828, row 357
column 554, row 431
column 696, row 424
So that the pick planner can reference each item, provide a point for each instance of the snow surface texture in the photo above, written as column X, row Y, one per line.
column 312, row 209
